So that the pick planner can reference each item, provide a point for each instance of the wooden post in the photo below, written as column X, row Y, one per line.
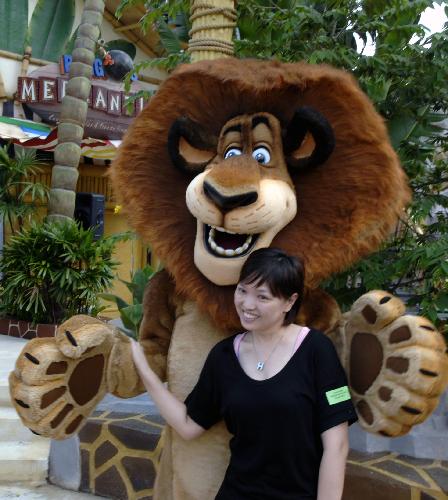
column 213, row 23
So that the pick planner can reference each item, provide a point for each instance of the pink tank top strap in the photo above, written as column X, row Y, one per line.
column 301, row 337
column 236, row 343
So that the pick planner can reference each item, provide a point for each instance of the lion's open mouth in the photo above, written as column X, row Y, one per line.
column 223, row 243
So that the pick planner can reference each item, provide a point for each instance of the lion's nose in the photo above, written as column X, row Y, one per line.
column 227, row 203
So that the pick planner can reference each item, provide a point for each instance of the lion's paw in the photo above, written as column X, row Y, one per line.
column 397, row 365
column 58, row 381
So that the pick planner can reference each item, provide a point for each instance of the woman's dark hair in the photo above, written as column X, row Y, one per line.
column 282, row 273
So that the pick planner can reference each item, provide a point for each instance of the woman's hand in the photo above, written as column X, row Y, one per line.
column 171, row 409
column 138, row 355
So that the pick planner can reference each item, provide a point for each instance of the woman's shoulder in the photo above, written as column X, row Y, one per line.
column 319, row 341
column 223, row 346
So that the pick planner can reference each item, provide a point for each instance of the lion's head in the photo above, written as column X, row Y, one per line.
column 234, row 155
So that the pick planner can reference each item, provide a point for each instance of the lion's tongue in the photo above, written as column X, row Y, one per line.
column 229, row 241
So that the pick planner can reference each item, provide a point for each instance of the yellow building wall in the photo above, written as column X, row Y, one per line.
column 131, row 254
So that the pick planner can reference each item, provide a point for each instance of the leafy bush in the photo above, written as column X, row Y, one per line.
column 132, row 314
column 17, row 193
column 51, row 271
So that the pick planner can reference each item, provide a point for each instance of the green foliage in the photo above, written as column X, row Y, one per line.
column 17, row 193
column 171, row 21
column 50, row 28
column 132, row 314
column 406, row 79
column 51, row 271
column 13, row 25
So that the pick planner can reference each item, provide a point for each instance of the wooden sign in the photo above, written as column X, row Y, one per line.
column 108, row 117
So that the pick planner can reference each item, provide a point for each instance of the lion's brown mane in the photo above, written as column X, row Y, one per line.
column 346, row 207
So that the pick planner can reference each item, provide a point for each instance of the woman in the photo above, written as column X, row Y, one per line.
column 279, row 387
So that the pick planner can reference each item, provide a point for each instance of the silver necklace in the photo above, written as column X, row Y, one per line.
column 260, row 364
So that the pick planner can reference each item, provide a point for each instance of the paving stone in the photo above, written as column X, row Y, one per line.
column 362, row 483
column 427, row 496
column 416, row 461
column 4, row 326
column 23, row 327
column 156, row 418
column 135, row 434
column 120, row 415
column 46, row 330
column 97, row 413
column 85, row 471
column 104, row 453
column 109, row 483
column 91, row 430
column 440, row 476
column 14, row 331
column 360, row 456
column 29, row 334
column 140, row 471
column 402, row 470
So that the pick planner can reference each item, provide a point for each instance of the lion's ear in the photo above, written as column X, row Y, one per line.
column 191, row 148
column 309, row 139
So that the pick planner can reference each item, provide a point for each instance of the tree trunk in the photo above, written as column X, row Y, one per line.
column 212, row 26
column 64, row 176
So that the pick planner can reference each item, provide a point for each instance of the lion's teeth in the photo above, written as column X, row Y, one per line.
column 222, row 229
column 229, row 252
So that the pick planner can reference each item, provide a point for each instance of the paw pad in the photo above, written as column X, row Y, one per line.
column 397, row 364
column 400, row 335
column 57, row 368
column 86, row 379
column 365, row 411
column 369, row 314
column 61, row 415
column 51, row 396
column 366, row 351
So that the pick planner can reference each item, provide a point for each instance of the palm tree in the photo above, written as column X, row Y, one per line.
column 61, row 204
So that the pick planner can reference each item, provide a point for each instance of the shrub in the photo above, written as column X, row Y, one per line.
column 51, row 271
column 132, row 314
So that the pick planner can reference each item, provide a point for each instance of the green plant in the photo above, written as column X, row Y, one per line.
column 132, row 314
column 17, row 194
column 13, row 24
column 50, row 27
column 51, row 271
column 406, row 79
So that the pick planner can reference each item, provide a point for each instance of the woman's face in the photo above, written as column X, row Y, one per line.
column 258, row 309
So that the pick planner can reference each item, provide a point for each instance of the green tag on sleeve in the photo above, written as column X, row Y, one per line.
column 338, row 395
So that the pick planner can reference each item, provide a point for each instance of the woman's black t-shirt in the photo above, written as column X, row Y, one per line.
column 276, row 424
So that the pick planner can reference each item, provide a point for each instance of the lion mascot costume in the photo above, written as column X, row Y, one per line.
column 228, row 157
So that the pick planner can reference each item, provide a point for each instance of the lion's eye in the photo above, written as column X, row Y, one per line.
column 261, row 155
column 233, row 152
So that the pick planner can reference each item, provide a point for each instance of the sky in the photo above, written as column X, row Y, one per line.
column 432, row 18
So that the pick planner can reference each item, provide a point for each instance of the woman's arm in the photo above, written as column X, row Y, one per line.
column 332, row 465
column 171, row 409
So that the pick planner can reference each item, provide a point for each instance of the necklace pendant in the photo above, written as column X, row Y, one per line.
column 260, row 366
